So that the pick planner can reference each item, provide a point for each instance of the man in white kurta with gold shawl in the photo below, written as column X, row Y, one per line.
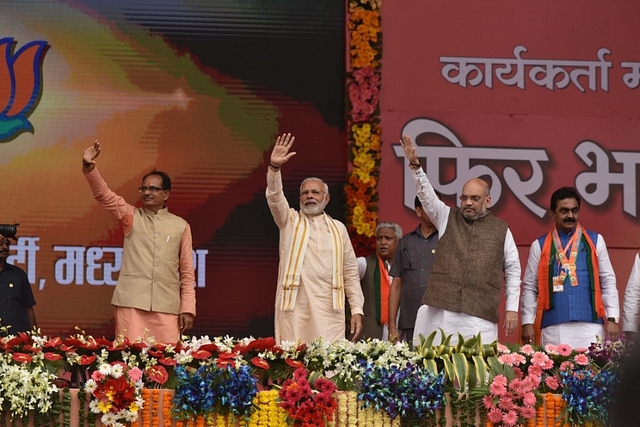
column 318, row 267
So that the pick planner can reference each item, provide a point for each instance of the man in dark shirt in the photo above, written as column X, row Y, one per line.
column 410, row 271
column 16, row 297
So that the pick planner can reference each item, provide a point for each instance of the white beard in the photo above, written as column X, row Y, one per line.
column 313, row 209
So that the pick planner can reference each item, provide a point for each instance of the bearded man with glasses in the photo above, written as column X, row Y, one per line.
column 476, row 252
column 154, row 298
column 317, row 267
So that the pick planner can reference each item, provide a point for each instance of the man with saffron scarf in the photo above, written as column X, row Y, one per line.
column 376, row 281
column 476, row 252
column 317, row 264
column 569, row 278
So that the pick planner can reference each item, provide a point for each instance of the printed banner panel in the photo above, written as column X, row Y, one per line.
column 199, row 90
column 530, row 96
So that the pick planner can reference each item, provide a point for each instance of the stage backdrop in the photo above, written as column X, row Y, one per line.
column 198, row 89
column 533, row 96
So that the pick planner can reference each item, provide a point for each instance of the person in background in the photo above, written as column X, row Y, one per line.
column 631, row 302
column 317, row 264
column 410, row 271
column 474, row 250
column 376, row 281
column 155, row 297
column 16, row 297
column 570, row 278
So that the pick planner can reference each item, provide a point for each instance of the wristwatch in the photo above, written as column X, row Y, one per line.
column 613, row 319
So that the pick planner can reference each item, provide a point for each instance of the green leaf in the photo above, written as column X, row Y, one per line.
column 461, row 367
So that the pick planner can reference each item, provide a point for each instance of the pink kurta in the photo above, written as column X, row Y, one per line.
column 137, row 318
column 313, row 315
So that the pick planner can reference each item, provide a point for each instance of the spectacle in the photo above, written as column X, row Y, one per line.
column 474, row 199
column 150, row 188
column 5, row 242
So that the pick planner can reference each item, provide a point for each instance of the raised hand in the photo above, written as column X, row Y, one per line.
column 90, row 154
column 280, row 154
column 409, row 149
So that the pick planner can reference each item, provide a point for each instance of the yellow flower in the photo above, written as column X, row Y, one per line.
column 133, row 407
column 104, row 407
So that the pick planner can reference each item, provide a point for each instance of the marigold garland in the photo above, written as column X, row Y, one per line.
column 155, row 396
column 143, row 419
column 363, row 87
column 167, row 408
column 268, row 412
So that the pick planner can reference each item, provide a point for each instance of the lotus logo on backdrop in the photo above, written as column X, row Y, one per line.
column 20, row 85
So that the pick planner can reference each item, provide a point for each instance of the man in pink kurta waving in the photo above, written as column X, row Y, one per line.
column 154, row 298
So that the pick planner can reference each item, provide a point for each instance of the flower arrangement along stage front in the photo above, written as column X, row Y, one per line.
column 116, row 391
column 255, row 382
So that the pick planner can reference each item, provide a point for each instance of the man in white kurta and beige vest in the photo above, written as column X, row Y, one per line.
column 154, row 298
column 317, row 264
column 474, row 251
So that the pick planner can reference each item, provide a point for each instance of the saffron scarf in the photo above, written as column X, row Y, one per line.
column 293, row 264
column 548, row 258
column 382, row 284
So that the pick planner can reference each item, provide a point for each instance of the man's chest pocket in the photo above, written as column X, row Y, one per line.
column 409, row 261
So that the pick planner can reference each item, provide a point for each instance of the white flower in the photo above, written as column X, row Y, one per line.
column 90, row 386
column 108, row 419
column 183, row 357
column 116, row 371
column 105, row 369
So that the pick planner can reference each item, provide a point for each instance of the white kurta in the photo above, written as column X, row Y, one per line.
column 431, row 319
column 313, row 314
column 575, row 334
column 631, row 304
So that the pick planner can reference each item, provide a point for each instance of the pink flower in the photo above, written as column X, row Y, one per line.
column 487, row 401
column 519, row 359
column 551, row 349
column 510, row 418
column 507, row 359
column 581, row 350
column 527, row 349
column 534, row 381
column 528, row 412
column 548, row 365
column 495, row 416
column 497, row 389
column 581, row 359
column 503, row 348
column 529, row 399
column 567, row 365
column 97, row 376
column 552, row 383
column 539, row 358
column 535, row 370
column 564, row 349
column 135, row 374
column 500, row 379
column 506, row 403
